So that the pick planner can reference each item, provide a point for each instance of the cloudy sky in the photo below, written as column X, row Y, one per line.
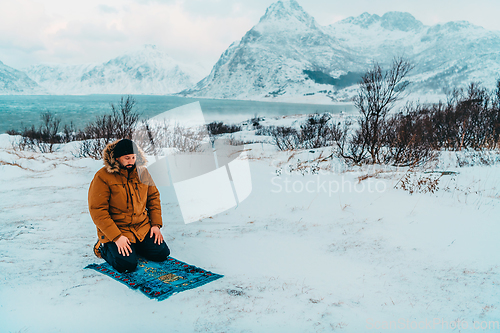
column 74, row 32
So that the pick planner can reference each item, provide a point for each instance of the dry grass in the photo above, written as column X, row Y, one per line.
column 16, row 165
column 370, row 175
column 415, row 183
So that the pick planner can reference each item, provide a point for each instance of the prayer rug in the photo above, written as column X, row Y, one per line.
column 160, row 280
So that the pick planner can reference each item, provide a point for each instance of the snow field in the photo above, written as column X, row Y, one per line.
column 294, row 261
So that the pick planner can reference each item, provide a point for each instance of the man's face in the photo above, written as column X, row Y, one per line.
column 127, row 161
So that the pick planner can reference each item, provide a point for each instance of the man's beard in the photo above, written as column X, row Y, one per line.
column 128, row 166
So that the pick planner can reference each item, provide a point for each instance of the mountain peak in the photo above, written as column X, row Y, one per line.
column 400, row 21
column 364, row 20
column 390, row 21
column 287, row 10
column 143, row 53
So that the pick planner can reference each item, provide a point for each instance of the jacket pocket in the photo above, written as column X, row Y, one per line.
column 142, row 192
column 118, row 195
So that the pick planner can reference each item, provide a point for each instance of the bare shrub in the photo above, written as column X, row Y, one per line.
column 255, row 121
column 377, row 93
column 119, row 124
column 265, row 130
column 351, row 147
column 470, row 119
column 237, row 142
column 407, row 137
column 218, row 127
column 317, row 131
column 188, row 139
column 92, row 148
column 472, row 157
column 285, row 138
column 153, row 137
column 124, row 117
column 44, row 138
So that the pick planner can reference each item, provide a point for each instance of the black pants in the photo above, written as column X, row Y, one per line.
column 147, row 249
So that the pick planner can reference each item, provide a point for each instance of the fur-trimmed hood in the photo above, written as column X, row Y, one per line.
column 112, row 165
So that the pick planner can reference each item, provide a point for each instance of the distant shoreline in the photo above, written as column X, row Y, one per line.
column 19, row 111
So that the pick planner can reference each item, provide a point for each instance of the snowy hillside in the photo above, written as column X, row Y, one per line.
column 147, row 70
column 271, row 58
column 338, row 248
column 288, row 54
column 14, row 82
column 447, row 55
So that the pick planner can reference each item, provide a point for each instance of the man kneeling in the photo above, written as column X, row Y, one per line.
column 124, row 204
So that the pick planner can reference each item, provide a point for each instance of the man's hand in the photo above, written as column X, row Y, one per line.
column 123, row 245
column 156, row 232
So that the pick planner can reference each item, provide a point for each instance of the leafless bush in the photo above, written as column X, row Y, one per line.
column 218, row 127
column 472, row 157
column 406, row 138
column 92, row 148
column 469, row 119
column 317, row 131
column 255, row 121
column 265, row 130
column 377, row 93
column 119, row 124
column 351, row 146
column 124, row 117
column 153, row 137
column 285, row 138
column 237, row 142
column 44, row 138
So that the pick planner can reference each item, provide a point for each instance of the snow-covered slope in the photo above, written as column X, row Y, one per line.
column 458, row 53
column 379, row 38
column 445, row 56
column 271, row 58
column 336, row 250
column 288, row 54
column 14, row 82
column 147, row 70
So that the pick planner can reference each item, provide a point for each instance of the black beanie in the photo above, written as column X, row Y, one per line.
column 124, row 147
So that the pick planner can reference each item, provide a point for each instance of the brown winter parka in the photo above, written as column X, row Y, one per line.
column 121, row 203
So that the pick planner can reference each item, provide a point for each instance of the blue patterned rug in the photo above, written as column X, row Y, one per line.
column 160, row 280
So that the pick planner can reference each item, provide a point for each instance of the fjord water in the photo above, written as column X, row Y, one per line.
column 19, row 111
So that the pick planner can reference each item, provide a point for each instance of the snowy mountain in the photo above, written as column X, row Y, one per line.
column 14, row 82
column 279, row 55
column 458, row 53
column 445, row 56
column 288, row 54
column 143, row 71
column 379, row 38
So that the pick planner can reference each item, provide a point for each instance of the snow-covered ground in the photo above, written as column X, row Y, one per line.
column 324, row 99
column 338, row 249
